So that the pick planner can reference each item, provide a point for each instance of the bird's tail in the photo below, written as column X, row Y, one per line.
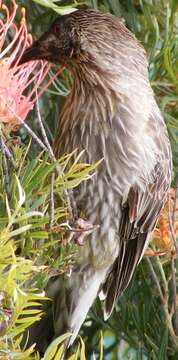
column 81, row 290
column 72, row 298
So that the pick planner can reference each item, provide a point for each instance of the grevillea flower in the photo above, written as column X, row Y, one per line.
column 14, row 79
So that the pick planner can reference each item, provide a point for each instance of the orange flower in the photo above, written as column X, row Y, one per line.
column 14, row 79
column 162, row 236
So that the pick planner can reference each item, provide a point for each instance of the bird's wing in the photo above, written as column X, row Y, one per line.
column 139, row 215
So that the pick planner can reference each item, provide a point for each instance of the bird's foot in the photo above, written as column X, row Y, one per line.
column 82, row 229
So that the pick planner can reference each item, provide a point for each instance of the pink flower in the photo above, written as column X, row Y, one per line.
column 14, row 79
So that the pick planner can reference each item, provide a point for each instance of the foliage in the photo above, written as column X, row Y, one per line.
column 27, row 246
column 144, row 324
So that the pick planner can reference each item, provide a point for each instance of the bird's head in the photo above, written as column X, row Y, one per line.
column 86, row 39
column 96, row 47
column 57, row 45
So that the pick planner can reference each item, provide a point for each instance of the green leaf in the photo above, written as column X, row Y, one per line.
column 53, row 347
column 59, row 9
column 82, row 350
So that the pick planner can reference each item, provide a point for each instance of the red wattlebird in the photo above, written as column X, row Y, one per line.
column 111, row 112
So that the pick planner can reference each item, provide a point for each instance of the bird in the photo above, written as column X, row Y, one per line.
column 110, row 114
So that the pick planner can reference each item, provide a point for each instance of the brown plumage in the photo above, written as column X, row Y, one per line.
column 112, row 114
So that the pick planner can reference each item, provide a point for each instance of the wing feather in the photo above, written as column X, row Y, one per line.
column 139, row 215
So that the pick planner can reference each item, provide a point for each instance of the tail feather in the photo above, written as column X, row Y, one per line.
column 86, row 297
column 123, row 271
column 71, row 300
column 81, row 290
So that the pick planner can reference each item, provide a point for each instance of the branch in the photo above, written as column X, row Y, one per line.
column 8, row 154
column 4, row 167
column 51, row 224
column 174, row 293
column 172, row 218
column 29, row 130
column 69, row 195
column 164, row 302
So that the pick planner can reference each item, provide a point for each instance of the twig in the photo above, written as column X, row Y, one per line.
column 68, row 194
column 35, row 137
column 51, row 223
column 8, row 153
column 91, row 229
column 55, row 229
column 164, row 303
column 172, row 219
column 29, row 130
column 5, row 167
column 163, row 276
column 72, row 209
column 43, row 131
column 155, row 278
column 174, row 293
column 51, row 136
column 173, row 265
column 175, row 199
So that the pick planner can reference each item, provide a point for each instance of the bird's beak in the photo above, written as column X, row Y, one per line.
column 39, row 50
column 31, row 53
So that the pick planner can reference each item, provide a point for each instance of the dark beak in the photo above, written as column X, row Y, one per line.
column 31, row 53
column 39, row 50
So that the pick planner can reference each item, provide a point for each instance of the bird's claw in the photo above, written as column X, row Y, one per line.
column 82, row 229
